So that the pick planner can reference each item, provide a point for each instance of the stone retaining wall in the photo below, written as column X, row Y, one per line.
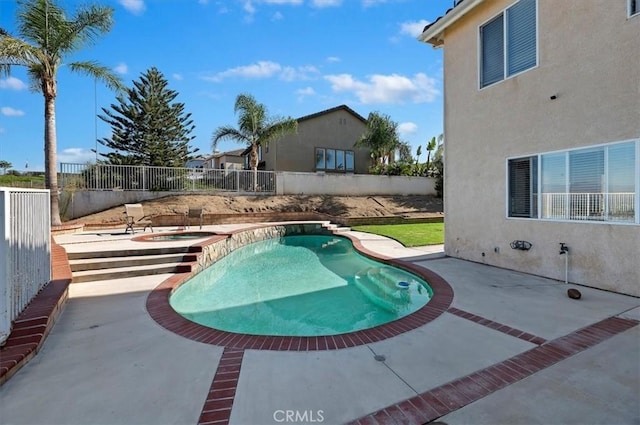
column 213, row 252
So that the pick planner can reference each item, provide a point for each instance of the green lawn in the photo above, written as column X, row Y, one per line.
column 408, row 234
column 34, row 182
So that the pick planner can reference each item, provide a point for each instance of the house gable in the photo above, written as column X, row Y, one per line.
column 336, row 130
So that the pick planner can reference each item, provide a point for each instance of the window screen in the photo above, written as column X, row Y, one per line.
column 523, row 187
column 492, row 52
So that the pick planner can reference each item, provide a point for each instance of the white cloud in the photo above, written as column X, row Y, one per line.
column 326, row 3
column 249, row 8
column 277, row 16
column 381, row 89
column 407, row 128
column 307, row 91
column 290, row 73
column 134, row 6
column 76, row 155
column 12, row 83
column 121, row 68
column 177, row 76
column 333, row 59
column 263, row 70
column 413, row 28
column 11, row 112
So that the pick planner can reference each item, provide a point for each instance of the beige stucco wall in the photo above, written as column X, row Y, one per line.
column 297, row 152
column 589, row 57
column 291, row 183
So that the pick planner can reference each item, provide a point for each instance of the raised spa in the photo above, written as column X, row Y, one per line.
column 179, row 236
column 306, row 285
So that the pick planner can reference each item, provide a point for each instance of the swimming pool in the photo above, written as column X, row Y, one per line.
column 306, row 285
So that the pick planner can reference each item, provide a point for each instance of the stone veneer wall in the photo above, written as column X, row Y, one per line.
column 213, row 252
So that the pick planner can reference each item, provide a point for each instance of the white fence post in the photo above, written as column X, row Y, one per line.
column 25, row 251
column 5, row 276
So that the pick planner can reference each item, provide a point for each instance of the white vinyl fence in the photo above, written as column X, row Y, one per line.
column 25, row 251
column 163, row 179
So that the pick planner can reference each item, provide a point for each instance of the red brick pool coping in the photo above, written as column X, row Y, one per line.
column 32, row 326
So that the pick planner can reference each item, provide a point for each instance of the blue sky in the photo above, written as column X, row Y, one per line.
column 297, row 57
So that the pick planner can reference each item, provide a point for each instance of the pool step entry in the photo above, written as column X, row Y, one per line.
column 380, row 286
column 335, row 228
column 117, row 264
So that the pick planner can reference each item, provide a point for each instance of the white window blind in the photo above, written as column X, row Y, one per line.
column 492, row 52
column 508, row 43
column 521, row 36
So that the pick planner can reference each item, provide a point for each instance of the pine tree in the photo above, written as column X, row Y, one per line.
column 146, row 127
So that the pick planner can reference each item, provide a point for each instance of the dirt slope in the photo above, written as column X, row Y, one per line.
column 369, row 206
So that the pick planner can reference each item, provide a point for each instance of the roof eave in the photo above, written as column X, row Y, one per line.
column 434, row 34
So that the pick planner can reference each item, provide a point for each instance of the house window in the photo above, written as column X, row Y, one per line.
column 331, row 159
column 340, row 160
column 600, row 183
column 634, row 9
column 523, row 183
column 320, row 159
column 348, row 157
column 334, row 160
column 508, row 43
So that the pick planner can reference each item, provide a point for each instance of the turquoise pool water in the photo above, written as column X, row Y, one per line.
column 299, row 286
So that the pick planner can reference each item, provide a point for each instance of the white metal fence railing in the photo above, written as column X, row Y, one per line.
column 589, row 206
column 134, row 177
column 25, row 251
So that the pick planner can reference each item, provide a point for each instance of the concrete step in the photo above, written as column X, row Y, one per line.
column 83, row 264
column 342, row 229
column 335, row 228
column 132, row 252
column 122, row 272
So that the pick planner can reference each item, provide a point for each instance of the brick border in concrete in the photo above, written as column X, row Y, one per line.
column 32, row 326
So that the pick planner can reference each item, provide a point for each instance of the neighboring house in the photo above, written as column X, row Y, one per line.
column 197, row 162
column 323, row 143
column 542, row 127
column 230, row 160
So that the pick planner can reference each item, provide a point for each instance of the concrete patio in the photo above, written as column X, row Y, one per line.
column 108, row 362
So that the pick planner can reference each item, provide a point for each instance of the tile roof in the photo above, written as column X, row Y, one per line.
column 432, row 33
column 327, row 111
column 455, row 3
column 237, row 152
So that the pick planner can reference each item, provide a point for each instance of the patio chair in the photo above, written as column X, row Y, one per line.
column 135, row 217
column 197, row 213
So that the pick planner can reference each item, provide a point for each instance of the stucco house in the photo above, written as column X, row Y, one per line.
column 324, row 143
column 197, row 162
column 229, row 160
column 542, row 128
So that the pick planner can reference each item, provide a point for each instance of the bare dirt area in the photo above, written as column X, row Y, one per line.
column 339, row 206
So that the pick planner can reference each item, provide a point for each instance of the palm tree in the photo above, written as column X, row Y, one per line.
column 418, row 153
column 255, row 129
column 381, row 137
column 46, row 38
column 430, row 147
